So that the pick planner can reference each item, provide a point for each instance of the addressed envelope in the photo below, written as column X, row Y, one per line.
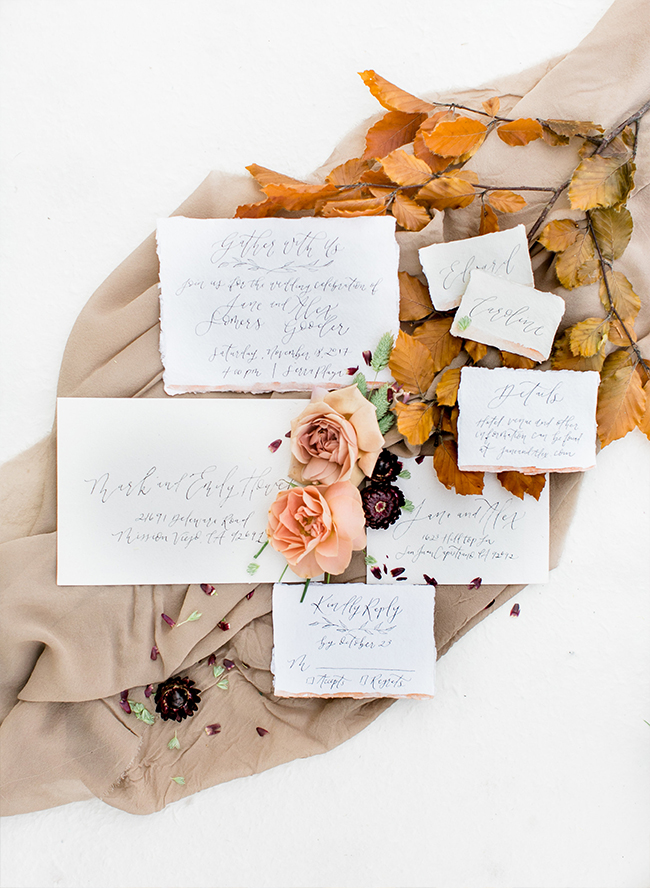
column 352, row 640
column 508, row 316
column 453, row 539
column 448, row 266
column 262, row 305
column 158, row 491
column 530, row 421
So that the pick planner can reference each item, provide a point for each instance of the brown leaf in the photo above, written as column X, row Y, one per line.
column 520, row 131
column 518, row 484
column 644, row 422
column 621, row 399
column 552, row 138
column 269, row 177
column 492, row 105
column 489, row 221
column 392, row 131
column 517, row 362
column 405, row 169
column 578, row 264
column 476, row 350
column 448, row 192
column 409, row 214
column 414, row 299
column 588, row 337
column 451, row 138
column 391, row 96
column 564, row 359
column 617, row 335
column 601, row 182
column 371, row 206
column 301, row 197
column 506, row 201
column 411, row 364
column 625, row 301
column 348, row 173
column 613, row 230
column 376, row 177
column 416, row 421
column 447, row 388
column 445, row 462
column 569, row 128
column 450, row 421
column 558, row 235
column 435, row 335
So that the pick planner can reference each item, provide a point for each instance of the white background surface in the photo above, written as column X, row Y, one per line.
column 530, row 767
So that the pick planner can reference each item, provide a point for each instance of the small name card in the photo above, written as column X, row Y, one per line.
column 158, row 491
column 262, row 305
column 351, row 640
column 509, row 316
column 448, row 266
column 453, row 539
column 529, row 421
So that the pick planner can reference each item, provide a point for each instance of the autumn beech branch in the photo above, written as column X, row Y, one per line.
column 547, row 209
column 633, row 118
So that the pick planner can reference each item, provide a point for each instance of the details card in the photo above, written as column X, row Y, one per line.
column 508, row 316
column 352, row 640
column 530, row 421
column 262, row 305
column 160, row 491
column 448, row 266
column 453, row 539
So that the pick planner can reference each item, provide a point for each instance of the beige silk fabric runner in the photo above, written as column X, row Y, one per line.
column 68, row 652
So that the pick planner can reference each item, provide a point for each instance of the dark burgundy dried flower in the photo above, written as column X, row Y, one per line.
column 124, row 702
column 250, row 595
column 273, row 446
column 476, row 583
column 287, row 434
column 212, row 659
column 382, row 505
column 154, row 653
column 228, row 665
column 488, row 606
column 261, row 731
column 367, row 356
column 401, row 579
column 148, row 691
column 387, row 468
column 515, row 610
column 208, row 589
column 223, row 626
column 210, row 730
column 168, row 620
column 177, row 698
column 376, row 572
column 396, row 571
column 430, row 580
column 419, row 460
column 352, row 370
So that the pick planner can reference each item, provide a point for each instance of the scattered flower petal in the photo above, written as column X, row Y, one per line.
column 396, row 571
column 223, row 626
column 208, row 589
column 168, row 620
column 148, row 691
column 154, row 652
column 488, row 606
column 390, row 394
column 385, row 569
column 261, row 731
column 211, row 730
column 212, row 659
column 124, row 702
column 352, row 370
column 430, row 581
column 273, row 446
column 367, row 356
column 229, row 664
column 515, row 610
column 376, row 572
column 476, row 583
column 250, row 595
column 419, row 460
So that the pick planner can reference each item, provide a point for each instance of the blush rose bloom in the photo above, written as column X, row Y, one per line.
column 317, row 528
column 335, row 438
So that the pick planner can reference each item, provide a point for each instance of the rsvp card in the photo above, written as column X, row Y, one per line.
column 453, row 539
column 530, row 421
column 160, row 491
column 448, row 266
column 352, row 640
column 262, row 305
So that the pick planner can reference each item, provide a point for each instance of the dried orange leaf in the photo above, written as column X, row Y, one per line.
column 624, row 300
column 553, row 138
column 578, row 264
column 391, row 96
column 558, row 235
column 492, row 105
column 601, row 182
column 269, row 177
column 405, row 169
column 435, row 335
column 489, row 221
column 518, row 484
column 301, row 197
column 617, row 335
column 517, row 362
column 445, row 462
column 450, row 421
column 448, row 192
column 564, row 359
column 451, row 138
column 409, row 214
column 260, row 210
column 348, row 173
column 447, row 388
column 588, row 337
column 621, row 401
column 371, row 206
column 411, row 364
column 414, row 299
column 613, row 230
column 392, row 131
column 416, row 421
column 520, row 131
column 377, row 177
column 436, row 162
column 476, row 350
column 644, row 422
column 506, row 201
column 569, row 128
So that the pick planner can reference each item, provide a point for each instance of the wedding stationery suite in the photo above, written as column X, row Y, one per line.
column 262, row 305
column 509, row 316
column 448, row 266
column 530, row 421
column 353, row 640
column 160, row 491
column 452, row 539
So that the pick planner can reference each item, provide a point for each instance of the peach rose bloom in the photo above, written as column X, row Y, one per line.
column 335, row 438
column 317, row 528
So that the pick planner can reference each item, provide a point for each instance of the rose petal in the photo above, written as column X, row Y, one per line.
column 154, row 653
column 515, row 610
column 148, row 691
column 211, row 730
column 208, row 589
column 476, row 583
column 168, row 620
column 261, row 731
column 223, row 626
column 273, row 446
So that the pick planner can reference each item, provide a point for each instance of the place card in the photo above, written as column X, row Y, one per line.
column 508, row 316
column 353, row 640
column 454, row 539
column 158, row 491
column 448, row 266
column 262, row 305
column 529, row 421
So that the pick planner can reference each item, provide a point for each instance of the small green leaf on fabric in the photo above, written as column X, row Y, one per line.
column 174, row 743
column 382, row 353
column 464, row 322
column 408, row 506
column 179, row 780
column 360, row 381
column 404, row 474
column 223, row 684
column 141, row 712
column 386, row 423
column 218, row 670
column 195, row 615
column 370, row 560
